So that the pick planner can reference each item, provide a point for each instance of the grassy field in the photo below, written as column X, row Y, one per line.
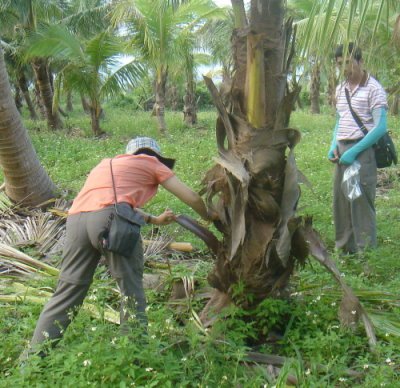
column 179, row 353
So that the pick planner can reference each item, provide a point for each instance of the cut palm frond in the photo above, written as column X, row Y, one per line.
column 21, row 261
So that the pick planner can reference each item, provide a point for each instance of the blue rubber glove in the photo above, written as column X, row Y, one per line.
column 331, row 151
column 379, row 116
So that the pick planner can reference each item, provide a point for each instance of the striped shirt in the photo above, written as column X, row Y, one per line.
column 366, row 97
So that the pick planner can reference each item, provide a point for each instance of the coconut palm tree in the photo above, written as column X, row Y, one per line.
column 90, row 67
column 24, row 16
column 26, row 181
column 254, row 185
column 156, row 31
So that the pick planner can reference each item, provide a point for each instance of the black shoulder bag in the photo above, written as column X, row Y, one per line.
column 123, row 230
column 385, row 151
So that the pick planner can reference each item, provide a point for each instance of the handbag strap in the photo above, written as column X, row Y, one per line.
column 354, row 114
column 113, row 184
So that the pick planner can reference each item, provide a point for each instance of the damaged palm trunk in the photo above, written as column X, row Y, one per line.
column 254, row 185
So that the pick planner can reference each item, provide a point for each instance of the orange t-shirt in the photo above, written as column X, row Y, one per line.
column 136, row 180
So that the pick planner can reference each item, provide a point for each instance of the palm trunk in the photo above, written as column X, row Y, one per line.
column 95, row 113
column 332, row 82
column 26, row 181
column 85, row 104
column 189, row 108
column 159, row 106
column 46, row 93
column 394, row 107
column 18, row 98
column 38, row 101
column 69, row 107
column 254, row 180
column 315, row 88
column 23, row 84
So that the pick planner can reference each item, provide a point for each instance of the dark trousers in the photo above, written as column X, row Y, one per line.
column 355, row 222
column 81, row 255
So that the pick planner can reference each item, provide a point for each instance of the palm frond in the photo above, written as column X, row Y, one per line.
column 125, row 77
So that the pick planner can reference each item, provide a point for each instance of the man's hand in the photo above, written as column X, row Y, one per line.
column 164, row 218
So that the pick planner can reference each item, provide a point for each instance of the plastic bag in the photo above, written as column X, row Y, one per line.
column 351, row 181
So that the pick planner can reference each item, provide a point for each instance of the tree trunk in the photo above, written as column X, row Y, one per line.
column 189, row 108
column 23, row 84
column 95, row 113
column 315, row 88
column 254, row 185
column 18, row 98
column 332, row 82
column 46, row 93
column 26, row 181
column 38, row 101
column 69, row 107
column 159, row 106
column 85, row 104
column 394, row 107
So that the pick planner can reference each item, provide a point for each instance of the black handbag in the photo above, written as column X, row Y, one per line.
column 385, row 151
column 123, row 231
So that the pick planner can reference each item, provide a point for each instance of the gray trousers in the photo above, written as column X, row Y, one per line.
column 355, row 222
column 81, row 255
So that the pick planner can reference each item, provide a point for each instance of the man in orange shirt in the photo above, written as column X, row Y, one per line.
column 135, row 176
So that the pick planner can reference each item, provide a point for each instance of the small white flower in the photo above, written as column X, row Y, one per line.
column 7, row 374
column 191, row 319
column 149, row 324
column 8, row 359
column 149, row 369
column 383, row 384
column 133, row 384
column 342, row 379
column 168, row 321
column 388, row 360
column 94, row 328
column 87, row 363
column 224, row 377
column 343, row 275
column 365, row 366
column 147, row 309
column 391, row 363
column 354, row 312
column 185, row 359
column 92, row 297
column 153, row 336
column 113, row 340
column 308, row 371
column 333, row 304
column 387, row 334
column 45, row 334
column 308, row 313
column 318, row 297
column 335, row 326
column 79, row 354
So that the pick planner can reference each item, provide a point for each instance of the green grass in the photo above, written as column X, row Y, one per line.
column 176, row 352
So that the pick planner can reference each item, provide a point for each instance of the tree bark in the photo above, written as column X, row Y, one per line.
column 38, row 101
column 189, row 108
column 26, row 181
column 85, row 104
column 18, row 98
column 394, row 107
column 159, row 105
column 23, row 84
column 254, row 186
column 69, row 107
column 46, row 93
column 315, row 88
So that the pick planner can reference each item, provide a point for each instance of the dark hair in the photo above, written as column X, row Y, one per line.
column 352, row 50
column 166, row 161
